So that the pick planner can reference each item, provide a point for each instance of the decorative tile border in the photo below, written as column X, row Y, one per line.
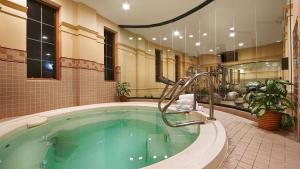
column 12, row 55
column 81, row 64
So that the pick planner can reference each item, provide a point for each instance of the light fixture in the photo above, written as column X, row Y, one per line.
column 130, row 38
column 197, row 44
column 44, row 37
column 139, row 38
column 232, row 34
column 191, row 36
column 165, row 38
column 154, row 38
column 204, row 34
column 180, row 37
column 241, row 44
column 176, row 33
column 48, row 54
column 211, row 50
column 126, row 6
column 149, row 50
column 231, row 29
column 168, row 50
column 278, row 41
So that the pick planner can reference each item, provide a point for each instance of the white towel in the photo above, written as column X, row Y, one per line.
column 186, row 96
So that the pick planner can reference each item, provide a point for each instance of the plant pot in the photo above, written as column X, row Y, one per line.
column 269, row 121
column 123, row 98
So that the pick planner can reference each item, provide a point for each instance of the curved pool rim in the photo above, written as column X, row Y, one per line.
column 207, row 151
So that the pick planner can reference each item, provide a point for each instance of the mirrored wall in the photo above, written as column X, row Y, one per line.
column 247, row 39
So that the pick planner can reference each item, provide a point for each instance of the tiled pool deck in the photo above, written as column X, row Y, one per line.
column 254, row 148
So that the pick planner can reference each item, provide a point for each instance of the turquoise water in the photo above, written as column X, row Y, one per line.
column 116, row 138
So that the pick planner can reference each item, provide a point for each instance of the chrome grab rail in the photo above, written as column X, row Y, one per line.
column 188, row 81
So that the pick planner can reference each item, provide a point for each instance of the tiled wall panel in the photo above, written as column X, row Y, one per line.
column 79, row 85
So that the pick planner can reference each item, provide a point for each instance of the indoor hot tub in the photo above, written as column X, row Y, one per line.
column 109, row 136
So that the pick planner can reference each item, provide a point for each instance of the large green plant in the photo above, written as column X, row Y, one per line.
column 271, row 97
column 123, row 89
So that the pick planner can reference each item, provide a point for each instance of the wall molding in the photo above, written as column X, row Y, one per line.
column 14, row 5
column 81, row 28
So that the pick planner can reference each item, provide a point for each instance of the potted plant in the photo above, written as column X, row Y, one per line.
column 269, row 103
column 123, row 91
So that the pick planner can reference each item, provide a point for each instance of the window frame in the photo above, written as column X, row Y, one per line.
column 113, row 54
column 56, row 40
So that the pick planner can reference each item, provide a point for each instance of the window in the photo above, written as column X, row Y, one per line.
column 177, row 67
column 41, row 40
column 158, row 66
column 109, row 55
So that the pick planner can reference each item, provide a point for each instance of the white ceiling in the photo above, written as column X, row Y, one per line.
column 256, row 22
column 142, row 11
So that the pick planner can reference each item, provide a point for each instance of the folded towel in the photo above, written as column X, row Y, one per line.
column 186, row 96
column 184, row 102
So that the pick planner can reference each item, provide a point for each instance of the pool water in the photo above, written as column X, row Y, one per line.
column 110, row 138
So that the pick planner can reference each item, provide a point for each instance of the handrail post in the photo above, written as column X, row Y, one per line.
column 211, row 98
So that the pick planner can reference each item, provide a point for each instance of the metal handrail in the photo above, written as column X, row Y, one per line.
column 187, row 83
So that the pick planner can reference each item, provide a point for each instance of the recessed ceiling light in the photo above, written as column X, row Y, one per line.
column 232, row 34
column 278, row 41
column 149, row 50
column 204, row 34
column 211, row 50
column 169, row 50
column 176, row 33
column 241, row 44
column 165, row 38
column 231, row 29
column 191, row 36
column 197, row 44
column 154, row 38
column 139, row 38
column 130, row 38
column 180, row 37
column 126, row 6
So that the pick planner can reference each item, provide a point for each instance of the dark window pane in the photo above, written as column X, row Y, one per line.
column 109, row 63
column 48, row 34
column 34, row 10
column 33, row 49
column 33, row 68
column 48, row 52
column 48, row 69
column 109, row 51
column 108, row 55
column 33, row 30
column 157, row 65
column 48, row 15
column 109, row 75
